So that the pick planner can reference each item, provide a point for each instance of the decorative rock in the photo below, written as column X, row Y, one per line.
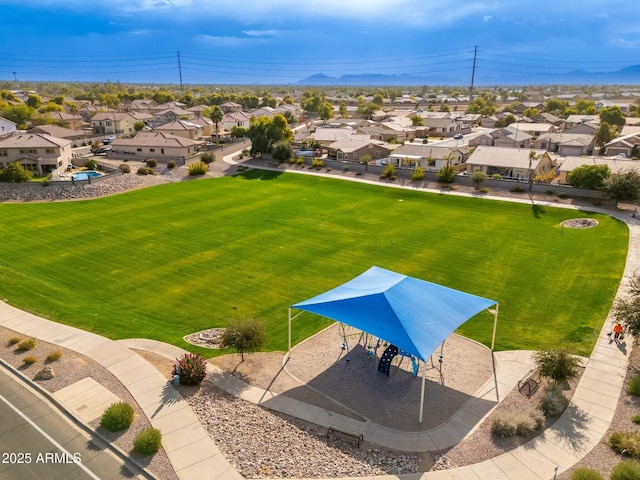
column 45, row 374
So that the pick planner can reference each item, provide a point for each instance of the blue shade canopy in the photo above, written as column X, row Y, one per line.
column 414, row 315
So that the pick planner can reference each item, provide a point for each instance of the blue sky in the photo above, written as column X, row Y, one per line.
column 283, row 41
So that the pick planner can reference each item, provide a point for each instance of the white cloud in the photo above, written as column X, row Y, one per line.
column 624, row 43
column 228, row 41
column 260, row 33
column 486, row 18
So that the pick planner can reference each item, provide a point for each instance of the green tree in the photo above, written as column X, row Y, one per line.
column 311, row 101
column 585, row 107
column 15, row 173
column 162, row 96
column 445, row 108
column 238, row 132
column 555, row 106
column 325, row 111
column 216, row 116
column 478, row 178
column 59, row 99
column 626, row 310
column 418, row 174
column 591, row 177
column 623, row 187
column 366, row 110
column 18, row 114
column 447, row 173
column 416, row 121
column 207, row 158
column 342, row 109
column 605, row 133
column 557, row 364
column 613, row 116
column 531, row 112
column 139, row 125
column 265, row 132
column 246, row 335
column 378, row 99
column 34, row 101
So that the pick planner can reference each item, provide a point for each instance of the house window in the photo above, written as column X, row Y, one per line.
column 49, row 150
column 162, row 151
column 152, row 150
column 138, row 149
column 4, row 153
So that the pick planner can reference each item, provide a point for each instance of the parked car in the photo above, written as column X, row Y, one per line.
column 458, row 136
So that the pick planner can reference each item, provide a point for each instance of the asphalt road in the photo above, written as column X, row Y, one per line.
column 37, row 442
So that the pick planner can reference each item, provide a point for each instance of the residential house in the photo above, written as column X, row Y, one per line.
column 509, row 162
column 521, row 107
column 197, row 110
column 142, row 105
column 430, row 157
column 234, row 119
column 441, row 127
column 386, row 131
column 230, row 107
column 587, row 128
column 159, row 145
column 143, row 117
column 566, row 144
column 503, row 137
column 168, row 106
column 72, row 121
column 6, row 126
column 113, row 123
column 181, row 128
column 489, row 121
column 264, row 112
column 169, row 115
column 545, row 117
column 37, row 152
column 77, row 137
column 325, row 136
column 533, row 129
column 352, row 149
column 208, row 127
column 88, row 111
column 627, row 145
column 573, row 120
column 616, row 165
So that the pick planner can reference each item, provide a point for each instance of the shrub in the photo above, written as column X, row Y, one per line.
column 282, row 152
column 145, row 171
column 627, row 470
column 207, row 158
column 562, row 195
column 92, row 165
column 12, row 341
column 197, row 168
column 191, row 368
column 124, row 168
column 345, row 168
column 246, row 152
column 626, row 443
column 317, row 163
column 636, row 418
column 506, row 425
column 503, row 425
column 496, row 176
column 358, row 174
column 151, row 162
column 447, row 174
column 556, row 363
column 171, row 164
column 478, row 178
column 26, row 345
column 553, row 402
column 389, row 172
column 54, row 356
column 549, row 192
column 147, row 441
column 418, row 174
column 30, row 360
column 117, row 416
column 300, row 161
column 15, row 173
column 585, row 473
column 634, row 385
column 484, row 190
column 517, row 189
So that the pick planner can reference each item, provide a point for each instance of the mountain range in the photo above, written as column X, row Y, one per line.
column 625, row 76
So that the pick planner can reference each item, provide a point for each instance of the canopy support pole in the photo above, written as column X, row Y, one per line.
column 495, row 325
column 424, row 373
column 289, row 335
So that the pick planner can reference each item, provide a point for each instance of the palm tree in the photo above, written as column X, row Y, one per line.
column 216, row 118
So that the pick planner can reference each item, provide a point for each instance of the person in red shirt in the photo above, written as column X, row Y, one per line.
column 617, row 333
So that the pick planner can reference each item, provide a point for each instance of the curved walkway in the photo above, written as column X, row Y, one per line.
column 194, row 455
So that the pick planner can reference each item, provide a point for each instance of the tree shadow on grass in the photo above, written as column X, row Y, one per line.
column 257, row 174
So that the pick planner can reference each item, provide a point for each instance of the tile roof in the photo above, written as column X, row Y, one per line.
column 32, row 140
column 153, row 139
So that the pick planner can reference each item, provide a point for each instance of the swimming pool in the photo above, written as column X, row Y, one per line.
column 85, row 175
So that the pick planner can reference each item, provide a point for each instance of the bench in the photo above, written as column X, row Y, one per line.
column 357, row 435
column 529, row 383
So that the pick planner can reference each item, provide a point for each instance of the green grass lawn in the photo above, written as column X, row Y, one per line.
column 170, row 260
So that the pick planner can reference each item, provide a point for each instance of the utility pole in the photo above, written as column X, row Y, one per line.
column 180, row 71
column 15, row 77
column 473, row 73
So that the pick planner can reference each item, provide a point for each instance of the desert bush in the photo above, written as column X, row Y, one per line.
column 634, row 385
column 553, row 402
column 484, row 190
column 92, row 165
column 447, row 174
column 626, row 443
column 517, row 189
column 358, row 174
column 282, row 152
column 207, row 158
column 317, row 163
column 191, row 368
column 503, row 425
column 145, row 171
column 556, row 363
column 300, row 161
column 12, row 341
column 636, row 418
column 418, row 174
column 117, row 416
column 124, row 168
column 478, row 178
column 562, row 195
column 26, row 345
column 627, row 470
column 15, row 173
column 585, row 473
column 54, row 356
column 197, row 168
column 171, row 164
column 30, row 360
column 389, row 172
column 151, row 162
column 507, row 425
column 147, row 441
column 496, row 176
